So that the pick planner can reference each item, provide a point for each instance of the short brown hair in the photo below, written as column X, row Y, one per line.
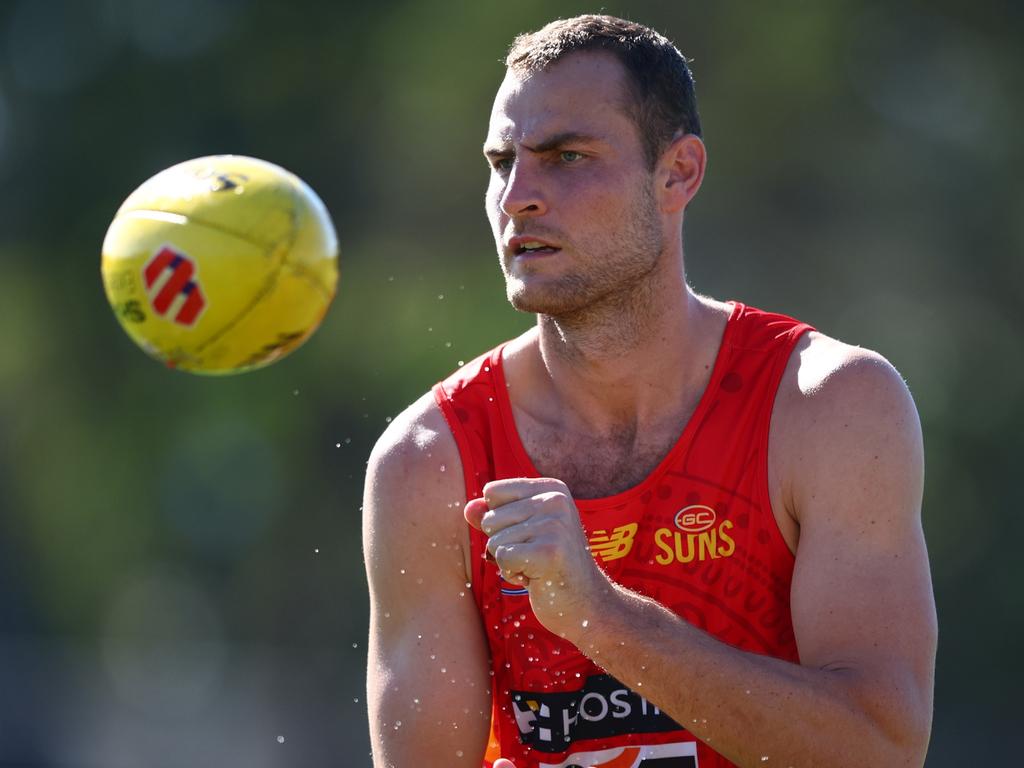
column 661, row 86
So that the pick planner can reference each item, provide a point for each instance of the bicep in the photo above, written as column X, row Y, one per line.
column 427, row 679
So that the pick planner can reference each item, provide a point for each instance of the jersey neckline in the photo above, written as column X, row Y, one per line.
column 525, row 463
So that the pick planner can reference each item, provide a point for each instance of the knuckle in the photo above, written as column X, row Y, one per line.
column 503, row 554
column 556, row 485
column 552, row 500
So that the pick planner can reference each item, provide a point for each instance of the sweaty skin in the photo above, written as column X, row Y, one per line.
column 615, row 367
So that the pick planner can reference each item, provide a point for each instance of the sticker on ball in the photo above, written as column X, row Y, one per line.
column 221, row 264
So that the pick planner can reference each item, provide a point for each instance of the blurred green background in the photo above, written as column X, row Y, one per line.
column 180, row 571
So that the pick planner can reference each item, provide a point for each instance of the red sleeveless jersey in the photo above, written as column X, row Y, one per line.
column 697, row 535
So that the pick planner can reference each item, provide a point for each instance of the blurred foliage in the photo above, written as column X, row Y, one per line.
column 180, row 568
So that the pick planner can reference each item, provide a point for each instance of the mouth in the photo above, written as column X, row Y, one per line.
column 527, row 247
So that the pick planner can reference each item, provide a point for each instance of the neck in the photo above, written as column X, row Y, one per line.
column 621, row 362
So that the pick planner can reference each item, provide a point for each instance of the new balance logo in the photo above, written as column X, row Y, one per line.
column 612, row 546
column 168, row 275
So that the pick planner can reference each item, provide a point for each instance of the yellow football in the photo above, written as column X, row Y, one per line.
column 220, row 264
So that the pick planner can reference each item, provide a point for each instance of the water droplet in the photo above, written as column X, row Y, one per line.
column 402, row 571
column 448, row 344
column 280, row 739
column 586, row 622
column 440, row 297
column 355, row 645
column 337, row 445
column 443, row 467
column 458, row 753
column 316, row 550
column 295, row 391
column 461, row 363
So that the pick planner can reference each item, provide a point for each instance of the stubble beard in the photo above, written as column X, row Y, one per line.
column 605, row 304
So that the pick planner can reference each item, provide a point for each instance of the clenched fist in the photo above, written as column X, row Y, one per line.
column 536, row 539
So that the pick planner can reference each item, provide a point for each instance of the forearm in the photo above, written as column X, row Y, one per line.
column 751, row 708
column 426, row 726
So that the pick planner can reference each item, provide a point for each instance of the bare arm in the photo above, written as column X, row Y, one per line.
column 861, row 598
column 427, row 679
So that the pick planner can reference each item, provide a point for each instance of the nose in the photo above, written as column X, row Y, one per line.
column 523, row 195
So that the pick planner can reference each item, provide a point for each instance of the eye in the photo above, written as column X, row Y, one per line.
column 569, row 156
column 502, row 164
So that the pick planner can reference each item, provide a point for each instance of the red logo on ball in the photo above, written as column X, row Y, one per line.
column 178, row 283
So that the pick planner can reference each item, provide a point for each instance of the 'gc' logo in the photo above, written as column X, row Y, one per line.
column 178, row 282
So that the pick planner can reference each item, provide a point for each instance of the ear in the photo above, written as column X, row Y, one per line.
column 680, row 172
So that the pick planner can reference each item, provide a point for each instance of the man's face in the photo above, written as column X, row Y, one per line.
column 571, row 198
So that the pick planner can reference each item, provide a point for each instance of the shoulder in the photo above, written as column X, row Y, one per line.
column 414, row 440
column 414, row 479
column 843, row 414
column 826, row 378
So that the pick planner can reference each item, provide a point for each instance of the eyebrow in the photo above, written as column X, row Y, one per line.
column 554, row 142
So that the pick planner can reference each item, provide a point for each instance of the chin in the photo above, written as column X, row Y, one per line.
column 561, row 298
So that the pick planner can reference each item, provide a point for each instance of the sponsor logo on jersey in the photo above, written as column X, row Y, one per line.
column 551, row 722
column 699, row 536
column 612, row 546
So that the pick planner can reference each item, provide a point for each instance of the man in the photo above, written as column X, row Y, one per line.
column 693, row 530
